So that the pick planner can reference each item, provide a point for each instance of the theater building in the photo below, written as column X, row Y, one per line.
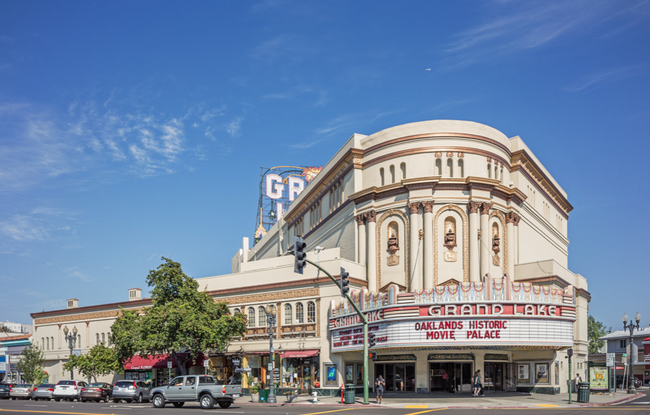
column 455, row 237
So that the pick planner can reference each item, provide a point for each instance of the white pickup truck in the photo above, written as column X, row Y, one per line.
column 195, row 388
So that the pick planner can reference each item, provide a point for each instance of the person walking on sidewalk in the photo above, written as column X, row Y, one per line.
column 476, row 381
column 380, row 383
column 445, row 377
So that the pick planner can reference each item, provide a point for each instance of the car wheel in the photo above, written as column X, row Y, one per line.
column 129, row 400
column 225, row 405
column 158, row 401
column 139, row 398
column 83, row 400
column 106, row 398
column 178, row 404
column 206, row 402
column 57, row 399
column 116, row 401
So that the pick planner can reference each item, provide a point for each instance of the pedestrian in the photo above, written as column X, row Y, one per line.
column 578, row 380
column 445, row 377
column 476, row 380
column 380, row 383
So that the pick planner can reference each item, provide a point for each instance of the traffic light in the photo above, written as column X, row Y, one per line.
column 300, row 254
column 372, row 341
column 344, row 282
column 372, row 355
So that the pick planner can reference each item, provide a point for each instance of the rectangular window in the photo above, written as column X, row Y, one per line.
column 623, row 344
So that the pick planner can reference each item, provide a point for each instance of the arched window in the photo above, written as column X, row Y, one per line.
column 402, row 167
column 52, row 338
column 103, row 337
column 461, row 168
column 450, row 167
column 236, row 311
column 251, row 317
column 501, row 176
column 300, row 314
column 261, row 316
column 489, row 171
column 392, row 173
column 381, row 176
column 288, row 314
column 496, row 172
column 108, row 338
column 79, row 341
column 42, row 343
column 96, row 338
column 438, row 167
column 47, row 342
column 311, row 312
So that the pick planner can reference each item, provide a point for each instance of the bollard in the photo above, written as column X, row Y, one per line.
column 314, row 397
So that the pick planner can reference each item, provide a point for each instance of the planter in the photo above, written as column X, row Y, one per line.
column 255, row 397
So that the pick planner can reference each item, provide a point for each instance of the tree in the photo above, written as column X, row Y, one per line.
column 596, row 330
column 99, row 361
column 182, row 321
column 30, row 365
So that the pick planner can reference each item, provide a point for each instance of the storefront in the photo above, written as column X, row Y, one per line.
column 155, row 370
column 434, row 342
column 300, row 369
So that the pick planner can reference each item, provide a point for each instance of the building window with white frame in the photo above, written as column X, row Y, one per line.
column 261, row 316
column 251, row 317
column 311, row 312
column 288, row 315
column 300, row 314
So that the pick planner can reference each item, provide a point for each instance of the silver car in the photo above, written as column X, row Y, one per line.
column 21, row 391
column 43, row 391
column 131, row 390
column 68, row 389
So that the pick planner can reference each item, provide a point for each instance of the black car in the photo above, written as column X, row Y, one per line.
column 622, row 381
column 5, row 388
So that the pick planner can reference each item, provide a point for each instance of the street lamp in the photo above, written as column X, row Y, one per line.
column 630, row 327
column 72, row 340
column 270, row 319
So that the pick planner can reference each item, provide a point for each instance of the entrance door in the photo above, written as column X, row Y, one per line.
column 399, row 377
column 459, row 377
column 493, row 376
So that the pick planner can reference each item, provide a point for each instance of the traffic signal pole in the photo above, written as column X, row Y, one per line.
column 365, row 332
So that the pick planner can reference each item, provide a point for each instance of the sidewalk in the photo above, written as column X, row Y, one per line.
column 463, row 400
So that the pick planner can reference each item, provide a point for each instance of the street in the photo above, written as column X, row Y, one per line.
column 7, row 407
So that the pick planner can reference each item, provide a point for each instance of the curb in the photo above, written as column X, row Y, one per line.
column 629, row 398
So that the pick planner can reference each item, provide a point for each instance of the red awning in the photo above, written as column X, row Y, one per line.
column 300, row 353
column 156, row 362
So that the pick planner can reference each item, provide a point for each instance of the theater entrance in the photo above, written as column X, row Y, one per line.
column 494, row 377
column 400, row 377
column 458, row 377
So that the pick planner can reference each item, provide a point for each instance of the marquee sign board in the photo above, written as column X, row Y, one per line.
column 471, row 324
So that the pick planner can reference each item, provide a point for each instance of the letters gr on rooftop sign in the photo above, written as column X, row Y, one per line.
column 470, row 324
column 279, row 186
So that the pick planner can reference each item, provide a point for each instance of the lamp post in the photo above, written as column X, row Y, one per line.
column 270, row 319
column 630, row 327
column 72, row 340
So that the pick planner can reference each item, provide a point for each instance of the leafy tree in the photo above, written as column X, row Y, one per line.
column 596, row 330
column 99, row 361
column 30, row 364
column 182, row 321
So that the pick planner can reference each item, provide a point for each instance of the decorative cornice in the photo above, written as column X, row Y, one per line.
column 523, row 162
column 371, row 216
column 436, row 150
column 93, row 308
column 264, row 297
column 437, row 135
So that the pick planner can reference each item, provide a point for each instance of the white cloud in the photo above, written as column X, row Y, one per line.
column 23, row 228
column 235, row 126
column 595, row 79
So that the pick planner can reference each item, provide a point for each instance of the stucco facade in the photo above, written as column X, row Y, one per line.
column 436, row 206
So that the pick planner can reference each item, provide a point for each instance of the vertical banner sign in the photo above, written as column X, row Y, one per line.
column 599, row 378
column 610, row 359
column 635, row 354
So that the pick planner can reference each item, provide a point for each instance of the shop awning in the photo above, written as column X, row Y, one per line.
column 156, row 362
column 300, row 353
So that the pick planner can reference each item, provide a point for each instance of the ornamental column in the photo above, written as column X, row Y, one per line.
column 485, row 238
column 361, row 222
column 428, row 244
column 512, row 220
column 371, row 266
column 474, row 255
column 415, row 273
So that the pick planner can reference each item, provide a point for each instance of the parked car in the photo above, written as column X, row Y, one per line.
column 96, row 392
column 4, row 390
column 43, row 391
column 21, row 391
column 202, row 389
column 68, row 389
column 622, row 382
column 131, row 390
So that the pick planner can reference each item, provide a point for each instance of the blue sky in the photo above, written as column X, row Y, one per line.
column 133, row 130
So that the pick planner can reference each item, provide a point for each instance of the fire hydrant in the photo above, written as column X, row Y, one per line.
column 314, row 396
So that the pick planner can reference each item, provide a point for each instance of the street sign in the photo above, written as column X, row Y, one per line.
column 235, row 362
column 611, row 357
column 169, row 364
column 206, row 364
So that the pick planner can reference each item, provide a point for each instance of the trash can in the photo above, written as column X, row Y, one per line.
column 583, row 392
column 264, row 395
column 349, row 393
